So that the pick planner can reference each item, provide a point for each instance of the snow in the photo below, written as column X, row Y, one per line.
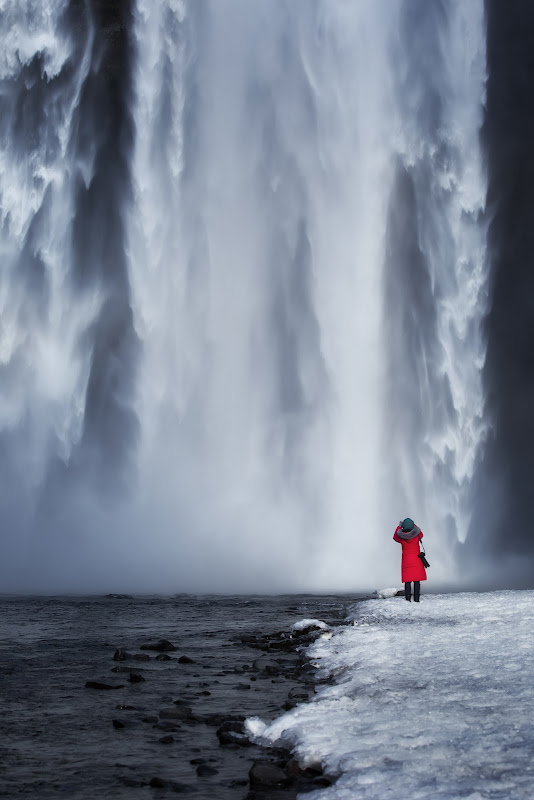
column 390, row 591
column 302, row 624
column 431, row 701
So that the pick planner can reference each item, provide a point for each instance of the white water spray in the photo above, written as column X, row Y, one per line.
column 268, row 137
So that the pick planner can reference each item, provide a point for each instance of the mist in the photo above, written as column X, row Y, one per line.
column 264, row 292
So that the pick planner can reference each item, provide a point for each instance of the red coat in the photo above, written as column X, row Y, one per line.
column 411, row 566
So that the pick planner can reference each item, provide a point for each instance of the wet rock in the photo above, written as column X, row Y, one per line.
column 117, row 723
column 290, row 704
column 264, row 775
column 163, row 646
column 177, row 712
column 167, row 739
column 185, row 660
column 294, row 770
column 167, row 725
column 98, row 685
column 232, row 732
column 150, row 720
column 247, row 638
column 233, row 738
column 163, row 657
column 121, row 655
column 173, row 786
column 121, row 669
column 135, row 677
column 123, row 707
column 242, row 687
column 298, row 694
column 141, row 657
column 205, row 771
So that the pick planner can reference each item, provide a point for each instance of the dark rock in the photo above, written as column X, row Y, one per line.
column 230, row 737
column 122, row 707
column 135, row 678
column 117, row 723
column 231, row 732
column 204, row 771
column 264, row 775
column 294, row 770
column 98, row 685
column 322, row 781
column 177, row 712
column 141, row 657
column 121, row 669
column 163, row 646
column 167, row 725
column 163, row 783
column 167, row 739
column 121, row 655
column 150, row 720
column 185, row 660
column 298, row 694
column 242, row 686
column 163, row 657
column 232, row 725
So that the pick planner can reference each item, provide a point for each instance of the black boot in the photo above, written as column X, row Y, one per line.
column 408, row 592
column 416, row 591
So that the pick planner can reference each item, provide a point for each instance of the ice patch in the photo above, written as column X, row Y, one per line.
column 308, row 623
column 390, row 591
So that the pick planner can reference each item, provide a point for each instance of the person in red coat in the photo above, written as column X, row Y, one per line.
column 409, row 535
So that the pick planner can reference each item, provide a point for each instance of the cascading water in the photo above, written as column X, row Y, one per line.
column 243, row 284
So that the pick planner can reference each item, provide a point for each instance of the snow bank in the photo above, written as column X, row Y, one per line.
column 431, row 701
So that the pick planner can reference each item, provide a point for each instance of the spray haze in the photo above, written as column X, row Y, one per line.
column 245, row 277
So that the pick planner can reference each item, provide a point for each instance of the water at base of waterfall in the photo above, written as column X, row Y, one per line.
column 59, row 739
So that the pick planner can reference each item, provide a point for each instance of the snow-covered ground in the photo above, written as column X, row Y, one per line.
column 430, row 700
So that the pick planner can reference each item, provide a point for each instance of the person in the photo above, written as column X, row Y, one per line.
column 412, row 570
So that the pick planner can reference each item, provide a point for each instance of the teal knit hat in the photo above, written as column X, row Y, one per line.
column 408, row 524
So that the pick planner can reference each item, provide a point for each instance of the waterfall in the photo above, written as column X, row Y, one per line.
column 245, row 275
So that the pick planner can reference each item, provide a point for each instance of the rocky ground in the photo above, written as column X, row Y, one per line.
column 277, row 659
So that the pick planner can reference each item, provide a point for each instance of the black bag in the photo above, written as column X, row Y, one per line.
column 422, row 555
column 423, row 559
